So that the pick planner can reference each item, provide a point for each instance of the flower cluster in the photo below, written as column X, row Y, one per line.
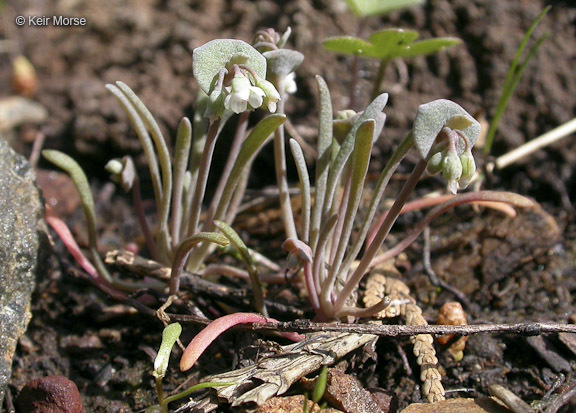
column 242, row 95
column 458, row 170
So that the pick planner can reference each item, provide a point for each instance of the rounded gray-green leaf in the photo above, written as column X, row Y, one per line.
column 281, row 62
column 433, row 116
column 215, row 55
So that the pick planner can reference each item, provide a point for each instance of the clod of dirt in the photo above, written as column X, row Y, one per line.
column 347, row 394
column 292, row 404
column 479, row 405
column 51, row 394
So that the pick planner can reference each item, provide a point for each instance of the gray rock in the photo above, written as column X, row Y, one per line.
column 21, row 211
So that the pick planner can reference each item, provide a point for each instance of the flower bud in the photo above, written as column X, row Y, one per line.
column 452, row 170
column 114, row 167
column 434, row 165
column 468, row 169
column 122, row 172
column 271, row 95
column 215, row 105
column 343, row 123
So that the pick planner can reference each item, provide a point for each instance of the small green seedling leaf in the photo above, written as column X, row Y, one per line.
column 169, row 337
column 211, row 58
column 434, row 116
column 365, row 8
column 348, row 45
column 429, row 46
column 321, row 384
column 389, row 44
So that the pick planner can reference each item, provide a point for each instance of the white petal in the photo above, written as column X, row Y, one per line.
column 235, row 104
column 272, row 107
column 256, row 97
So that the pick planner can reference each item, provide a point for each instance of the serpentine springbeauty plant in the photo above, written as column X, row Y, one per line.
column 232, row 78
column 236, row 78
column 443, row 134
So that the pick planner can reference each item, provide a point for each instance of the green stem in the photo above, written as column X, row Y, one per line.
column 281, row 174
column 203, row 171
column 232, row 155
column 379, row 78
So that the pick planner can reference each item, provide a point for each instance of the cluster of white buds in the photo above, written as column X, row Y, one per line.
column 243, row 94
column 249, row 93
column 458, row 170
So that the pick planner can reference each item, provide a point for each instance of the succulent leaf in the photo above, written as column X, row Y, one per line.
column 434, row 116
column 215, row 55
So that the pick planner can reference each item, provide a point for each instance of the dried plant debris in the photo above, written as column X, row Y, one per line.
column 273, row 375
column 382, row 283
column 452, row 314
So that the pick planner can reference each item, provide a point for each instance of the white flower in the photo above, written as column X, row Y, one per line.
column 290, row 84
column 272, row 95
column 243, row 96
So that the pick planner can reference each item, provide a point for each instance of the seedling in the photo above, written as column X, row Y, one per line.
column 365, row 8
column 387, row 45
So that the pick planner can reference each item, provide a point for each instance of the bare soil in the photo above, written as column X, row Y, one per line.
column 510, row 270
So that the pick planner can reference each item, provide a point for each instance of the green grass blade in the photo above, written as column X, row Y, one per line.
column 512, row 79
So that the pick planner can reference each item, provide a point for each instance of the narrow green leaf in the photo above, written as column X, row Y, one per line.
column 199, row 386
column 347, row 146
column 304, row 188
column 165, row 167
column 257, row 138
column 181, row 155
column 360, row 161
column 145, row 140
column 513, row 77
column 71, row 167
column 325, row 131
column 321, row 384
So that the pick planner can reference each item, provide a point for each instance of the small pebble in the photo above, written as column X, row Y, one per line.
column 52, row 394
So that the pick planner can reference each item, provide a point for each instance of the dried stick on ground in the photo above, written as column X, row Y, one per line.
column 273, row 375
column 239, row 297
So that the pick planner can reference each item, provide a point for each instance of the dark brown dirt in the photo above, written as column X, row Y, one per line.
column 510, row 270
